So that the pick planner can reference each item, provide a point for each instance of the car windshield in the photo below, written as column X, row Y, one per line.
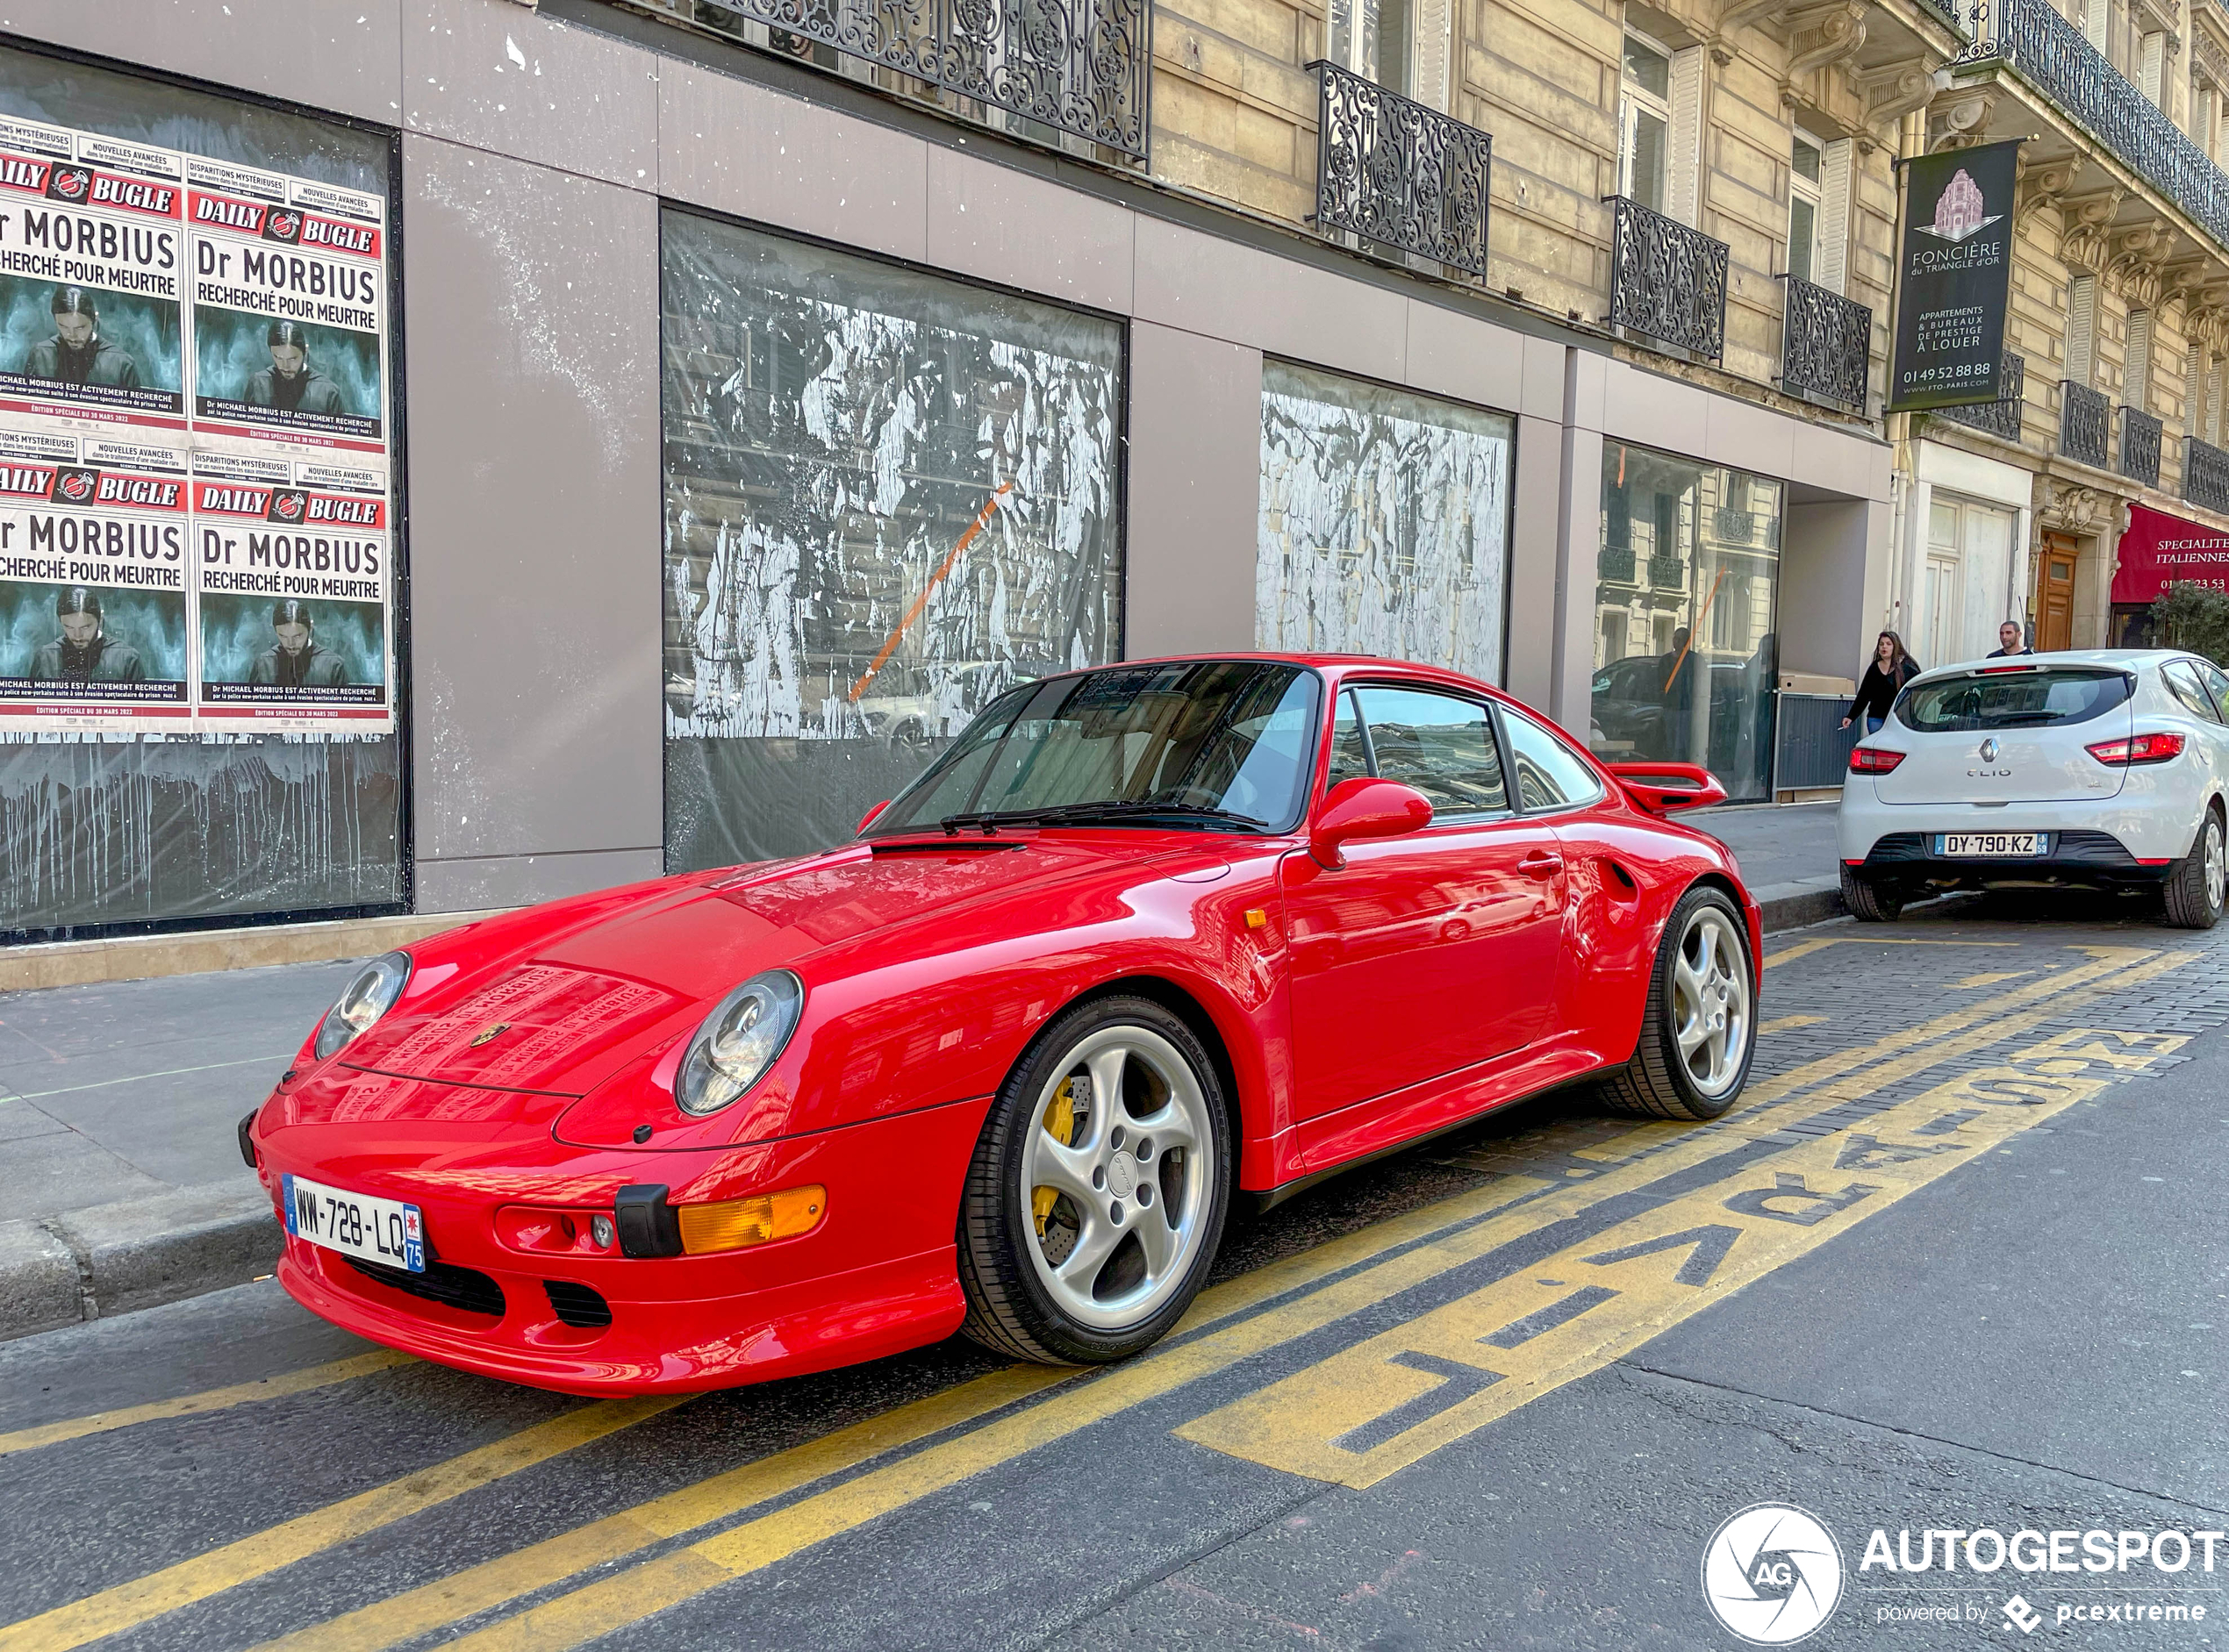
column 2021, row 699
column 1218, row 744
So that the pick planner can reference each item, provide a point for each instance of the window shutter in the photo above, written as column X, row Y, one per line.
column 2213, row 403
column 1832, row 268
column 2193, row 412
column 2136, row 375
column 1682, row 172
column 2151, row 65
column 2081, row 329
column 2097, row 16
column 1433, row 27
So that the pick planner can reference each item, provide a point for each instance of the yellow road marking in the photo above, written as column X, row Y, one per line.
column 1992, row 980
column 126, row 1605
column 1790, row 1023
column 194, row 1404
column 1381, row 1405
column 1804, row 949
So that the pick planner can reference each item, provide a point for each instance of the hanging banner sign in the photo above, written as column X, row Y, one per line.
column 1953, row 278
column 2158, row 550
column 195, row 501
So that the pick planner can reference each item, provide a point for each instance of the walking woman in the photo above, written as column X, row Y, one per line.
column 1891, row 669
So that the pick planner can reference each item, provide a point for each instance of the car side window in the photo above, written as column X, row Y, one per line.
column 1350, row 749
column 1550, row 774
column 2217, row 683
column 1442, row 746
column 2182, row 683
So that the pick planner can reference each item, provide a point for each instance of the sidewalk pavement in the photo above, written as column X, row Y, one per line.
column 121, row 1184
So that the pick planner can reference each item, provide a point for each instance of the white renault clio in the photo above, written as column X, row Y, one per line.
column 2107, row 768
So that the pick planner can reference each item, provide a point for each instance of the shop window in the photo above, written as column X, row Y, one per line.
column 1385, row 522
column 1695, row 680
column 130, row 790
column 888, row 498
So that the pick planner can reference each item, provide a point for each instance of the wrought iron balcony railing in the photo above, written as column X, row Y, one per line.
column 1396, row 172
column 1825, row 345
column 1667, row 281
column 1076, row 66
column 2085, row 424
column 2141, row 435
column 1667, row 573
column 2001, row 418
column 2058, row 59
column 2205, row 473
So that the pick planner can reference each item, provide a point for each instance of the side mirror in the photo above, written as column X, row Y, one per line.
column 1365, row 808
column 1662, row 788
column 868, row 818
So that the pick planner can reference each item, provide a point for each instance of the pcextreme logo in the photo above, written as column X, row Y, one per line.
column 1772, row 1574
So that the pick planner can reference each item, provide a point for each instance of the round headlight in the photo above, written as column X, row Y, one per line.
column 739, row 1040
column 369, row 995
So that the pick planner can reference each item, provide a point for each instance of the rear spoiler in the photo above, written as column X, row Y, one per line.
column 1662, row 788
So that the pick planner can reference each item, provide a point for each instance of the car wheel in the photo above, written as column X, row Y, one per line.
column 2195, row 888
column 1870, row 902
column 1097, row 1195
column 1697, row 1031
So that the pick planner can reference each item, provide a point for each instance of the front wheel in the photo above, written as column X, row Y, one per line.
column 1696, row 1032
column 2195, row 889
column 1099, row 1187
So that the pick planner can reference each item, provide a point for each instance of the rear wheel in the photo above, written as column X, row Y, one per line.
column 2195, row 890
column 1870, row 902
column 1696, row 1033
column 1098, row 1191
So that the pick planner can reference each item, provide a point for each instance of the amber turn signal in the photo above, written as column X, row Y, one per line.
column 734, row 1223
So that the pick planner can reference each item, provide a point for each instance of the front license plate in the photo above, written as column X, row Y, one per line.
column 1991, row 845
column 381, row 1230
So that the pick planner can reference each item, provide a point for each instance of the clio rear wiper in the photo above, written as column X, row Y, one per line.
column 1089, row 813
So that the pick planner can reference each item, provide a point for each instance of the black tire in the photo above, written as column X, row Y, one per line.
column 1870, row 901
column 1655, row 1082
column 2193, row 896
column 1010, row 1309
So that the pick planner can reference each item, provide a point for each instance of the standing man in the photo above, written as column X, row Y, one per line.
column 294, row 660
column 290, row 382
column 82, row 653
column 77, row 354
column 2009, row 642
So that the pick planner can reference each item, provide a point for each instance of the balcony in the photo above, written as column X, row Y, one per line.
column 2001, row 418
column 2206, row 475
column 2141, row 435
column 2058, row 61
column 1826, row 345
column 2085, row 424
column 1077, row 66
column 1666, row 281
column 1399, row 174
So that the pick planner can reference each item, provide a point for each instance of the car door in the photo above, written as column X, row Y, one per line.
column 1433, row 951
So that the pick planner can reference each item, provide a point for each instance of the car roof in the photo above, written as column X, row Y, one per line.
column 1335, row 667
column 2116, row 658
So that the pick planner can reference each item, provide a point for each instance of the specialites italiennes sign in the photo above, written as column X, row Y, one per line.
column 1954, row 276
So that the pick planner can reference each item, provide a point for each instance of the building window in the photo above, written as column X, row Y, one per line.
column 1385, row 523
column 1376, row 38
column 2136, row 375
column 1967, row 589
column 2081, row 329
column 1689, row 657
column 1644, row 137
column 1806, row 177
column 888, row 497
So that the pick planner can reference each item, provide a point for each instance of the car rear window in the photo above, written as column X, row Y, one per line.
column 2026, row 699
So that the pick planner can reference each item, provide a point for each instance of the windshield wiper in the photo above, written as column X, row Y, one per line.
column 1089, row 813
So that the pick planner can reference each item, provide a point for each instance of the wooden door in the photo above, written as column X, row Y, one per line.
column 2055, row 595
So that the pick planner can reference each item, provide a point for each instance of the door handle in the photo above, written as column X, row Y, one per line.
column 1542, row 864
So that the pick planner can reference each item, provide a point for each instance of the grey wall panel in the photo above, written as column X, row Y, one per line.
column 480, row 885
column 1577, row 555
column 345, row 58
column 1537, row 492
column 1194, row 492
column 1027, row 231
column 499, row 77
column 1461, row 356
column 533, row 507
column 1834, row 569
column 740, row 148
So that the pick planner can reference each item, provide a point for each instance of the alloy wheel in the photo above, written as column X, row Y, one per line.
column 1710, row 1002
column 1116, row 1175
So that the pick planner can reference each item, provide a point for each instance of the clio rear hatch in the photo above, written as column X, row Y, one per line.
column 2010, row 732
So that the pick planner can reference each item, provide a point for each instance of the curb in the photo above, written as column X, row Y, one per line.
column 112, row 1258
column 1799, row 903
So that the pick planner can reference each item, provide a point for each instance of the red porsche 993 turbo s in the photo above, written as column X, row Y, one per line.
column 1142, row 941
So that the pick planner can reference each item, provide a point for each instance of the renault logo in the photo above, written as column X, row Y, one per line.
column 491, row 1034
column 1989, row 750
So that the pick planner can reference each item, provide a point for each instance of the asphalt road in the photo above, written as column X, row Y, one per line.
column 1956, row 1265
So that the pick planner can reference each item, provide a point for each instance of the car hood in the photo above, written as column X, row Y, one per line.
column 570, row 1003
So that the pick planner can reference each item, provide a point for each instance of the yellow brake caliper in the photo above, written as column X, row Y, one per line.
column 1060, row 1125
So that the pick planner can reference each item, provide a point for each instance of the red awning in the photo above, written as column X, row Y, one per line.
column 2160, row 550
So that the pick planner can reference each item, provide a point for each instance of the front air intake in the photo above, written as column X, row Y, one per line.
column 576, row 1306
